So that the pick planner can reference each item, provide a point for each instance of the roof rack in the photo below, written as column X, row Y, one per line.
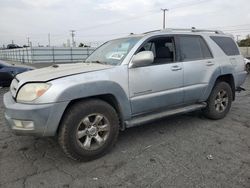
column 193, row 29
column 153, row 31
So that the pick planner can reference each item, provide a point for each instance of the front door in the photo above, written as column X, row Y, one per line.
column 159, row 85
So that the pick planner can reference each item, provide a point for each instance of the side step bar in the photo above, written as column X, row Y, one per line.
column 152, row 117
column 239, row 89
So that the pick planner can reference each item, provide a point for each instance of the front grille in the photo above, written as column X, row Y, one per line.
column 14, row 87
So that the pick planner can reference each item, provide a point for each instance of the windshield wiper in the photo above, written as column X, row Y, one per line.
column 99, row 62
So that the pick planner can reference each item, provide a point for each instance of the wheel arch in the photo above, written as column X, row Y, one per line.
column 109, row 98
column 228, row 78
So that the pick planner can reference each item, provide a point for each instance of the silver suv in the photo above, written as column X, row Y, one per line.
column 126, row 82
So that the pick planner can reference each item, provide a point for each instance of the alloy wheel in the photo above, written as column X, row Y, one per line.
column 221, row 101
column 93, row 131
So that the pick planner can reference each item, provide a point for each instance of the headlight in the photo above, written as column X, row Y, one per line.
column 32, row 91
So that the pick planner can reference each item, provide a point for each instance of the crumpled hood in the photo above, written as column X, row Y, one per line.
column 60, row 70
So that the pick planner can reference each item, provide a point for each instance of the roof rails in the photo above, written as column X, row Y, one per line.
column 193, row 29
column 153, row 31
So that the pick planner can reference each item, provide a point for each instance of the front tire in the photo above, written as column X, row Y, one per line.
column 219, row 101
column 89, row 129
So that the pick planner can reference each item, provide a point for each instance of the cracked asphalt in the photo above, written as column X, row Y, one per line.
column 182, row 151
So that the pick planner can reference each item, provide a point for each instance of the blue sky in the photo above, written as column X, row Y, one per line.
column 101, row 20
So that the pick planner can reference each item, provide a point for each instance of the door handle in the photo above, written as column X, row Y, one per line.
column 175, row 68
column 210, row 63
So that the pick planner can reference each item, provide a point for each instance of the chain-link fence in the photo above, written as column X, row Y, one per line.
column 46, row 54
column 245, row 51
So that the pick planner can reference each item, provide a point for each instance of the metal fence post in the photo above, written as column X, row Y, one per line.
column 27, row 55
column 19, row 54
column 71, row 55
column 31, row 54
column 53, row 54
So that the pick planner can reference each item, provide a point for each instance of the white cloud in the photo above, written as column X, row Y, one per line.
column 99, row 20
column 41, row 3
column 126, row 6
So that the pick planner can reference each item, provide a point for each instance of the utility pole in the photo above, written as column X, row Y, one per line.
column 28, row 41
column 237, row 36
column 49, row 39
column 72, row 36
column 164, row 17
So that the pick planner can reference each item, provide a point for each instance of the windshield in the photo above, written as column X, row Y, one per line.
column 113, row 52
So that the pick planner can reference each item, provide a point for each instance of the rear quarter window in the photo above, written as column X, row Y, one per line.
column 227, row 44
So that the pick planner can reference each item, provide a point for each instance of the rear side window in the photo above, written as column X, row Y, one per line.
column 227, row 45
column 206, row 52
column 193, row 48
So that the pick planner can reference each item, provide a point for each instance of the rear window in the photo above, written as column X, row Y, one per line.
column 227, row 44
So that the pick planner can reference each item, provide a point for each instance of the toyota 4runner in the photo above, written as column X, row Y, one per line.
column 124, row 83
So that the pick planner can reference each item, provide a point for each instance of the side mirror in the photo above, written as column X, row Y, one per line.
column 142, row 59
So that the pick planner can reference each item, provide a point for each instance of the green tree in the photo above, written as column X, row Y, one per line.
column 245, row 42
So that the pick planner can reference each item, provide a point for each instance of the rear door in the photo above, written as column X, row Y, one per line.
column 198, row 66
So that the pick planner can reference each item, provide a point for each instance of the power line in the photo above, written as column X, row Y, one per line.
column 180, row 5
column 153, row 11
column 188, row 4
column 231, row 26
column 119, row 21
column 236, row 29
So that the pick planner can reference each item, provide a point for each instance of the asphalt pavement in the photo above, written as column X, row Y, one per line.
column 182, row 151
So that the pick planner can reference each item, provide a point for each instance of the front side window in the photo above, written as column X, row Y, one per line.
column 163, row 49
column 227, row 45
column 113, row 52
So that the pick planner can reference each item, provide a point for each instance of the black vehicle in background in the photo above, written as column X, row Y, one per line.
column 13, row 46
column 8, row 72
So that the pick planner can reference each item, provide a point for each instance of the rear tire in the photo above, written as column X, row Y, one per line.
column 89, row 129
column 219, row 101
column 248, row 68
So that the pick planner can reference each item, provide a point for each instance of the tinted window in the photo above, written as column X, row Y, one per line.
column 190, row 48
column 227, row 45
column 205, row 50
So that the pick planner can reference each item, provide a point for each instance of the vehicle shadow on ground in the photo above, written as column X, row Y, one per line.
column 132, row 138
